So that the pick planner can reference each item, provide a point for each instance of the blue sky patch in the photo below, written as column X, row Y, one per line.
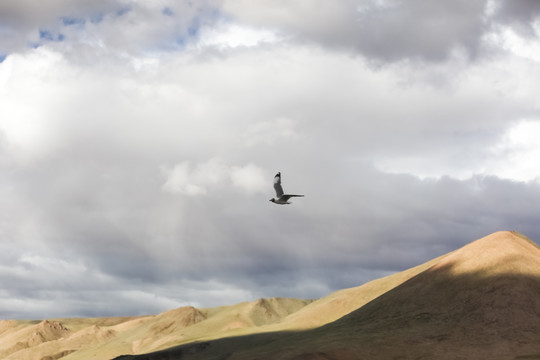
column 193, row 29
column 167, row 11
column 45, row 35
column 71, row 21
column 192, row 32
column 181, row 41
column 96, row 19
column 123, row 10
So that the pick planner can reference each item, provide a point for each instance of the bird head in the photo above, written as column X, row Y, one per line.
column 273, row 200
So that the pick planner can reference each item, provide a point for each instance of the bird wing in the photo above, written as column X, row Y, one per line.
column 277, row 185
column 288, row 196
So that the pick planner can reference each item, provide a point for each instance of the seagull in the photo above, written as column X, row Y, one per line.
column 281, row 198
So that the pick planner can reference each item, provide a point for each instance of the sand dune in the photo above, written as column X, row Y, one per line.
column 480, row 301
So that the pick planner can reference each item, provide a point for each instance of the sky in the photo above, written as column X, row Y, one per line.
column 139, row 140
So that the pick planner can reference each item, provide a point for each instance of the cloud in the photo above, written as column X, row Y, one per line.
column 183, row 180
column 384, row 30
column 521, row 15
column 527, row 47
column 393, row 30
column 225, row 35
column 213, row 174
column 250, row 178
column 22, row 21
column 270, row 131
column 130, row 25
column 137, row 152
column 515, row 156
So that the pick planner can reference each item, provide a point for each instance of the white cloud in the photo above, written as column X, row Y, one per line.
column 187, row 179
column 516, row 156
column 227, row 35
column 30, row 101
column 250, row 178
column 526, row 47
column 270, row 132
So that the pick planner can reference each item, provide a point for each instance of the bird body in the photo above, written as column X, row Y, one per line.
column 281, row 198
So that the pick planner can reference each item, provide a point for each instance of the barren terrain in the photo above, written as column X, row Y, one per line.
column 480, row 301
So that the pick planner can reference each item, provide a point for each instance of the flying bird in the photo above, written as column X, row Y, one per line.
column 281, row 198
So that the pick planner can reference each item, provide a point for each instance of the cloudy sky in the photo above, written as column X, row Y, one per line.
column 139, row 139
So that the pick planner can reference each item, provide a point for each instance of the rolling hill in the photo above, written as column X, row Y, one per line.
column 480, row 301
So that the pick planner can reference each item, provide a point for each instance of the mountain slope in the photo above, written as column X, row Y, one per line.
column 342, row 302
column 105, row 338
column 481, row 301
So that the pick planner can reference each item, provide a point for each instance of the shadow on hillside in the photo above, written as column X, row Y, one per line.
column 219, row 349
column 439, row 313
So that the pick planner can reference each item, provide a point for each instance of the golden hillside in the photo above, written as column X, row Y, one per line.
column 105, row 338
column 480, row 301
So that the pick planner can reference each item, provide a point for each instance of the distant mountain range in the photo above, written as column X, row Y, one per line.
column 479, row 302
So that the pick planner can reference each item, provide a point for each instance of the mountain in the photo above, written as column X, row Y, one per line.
column 105, row 338
column 481, row 301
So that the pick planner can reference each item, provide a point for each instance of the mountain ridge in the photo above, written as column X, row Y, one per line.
column 479, row 301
